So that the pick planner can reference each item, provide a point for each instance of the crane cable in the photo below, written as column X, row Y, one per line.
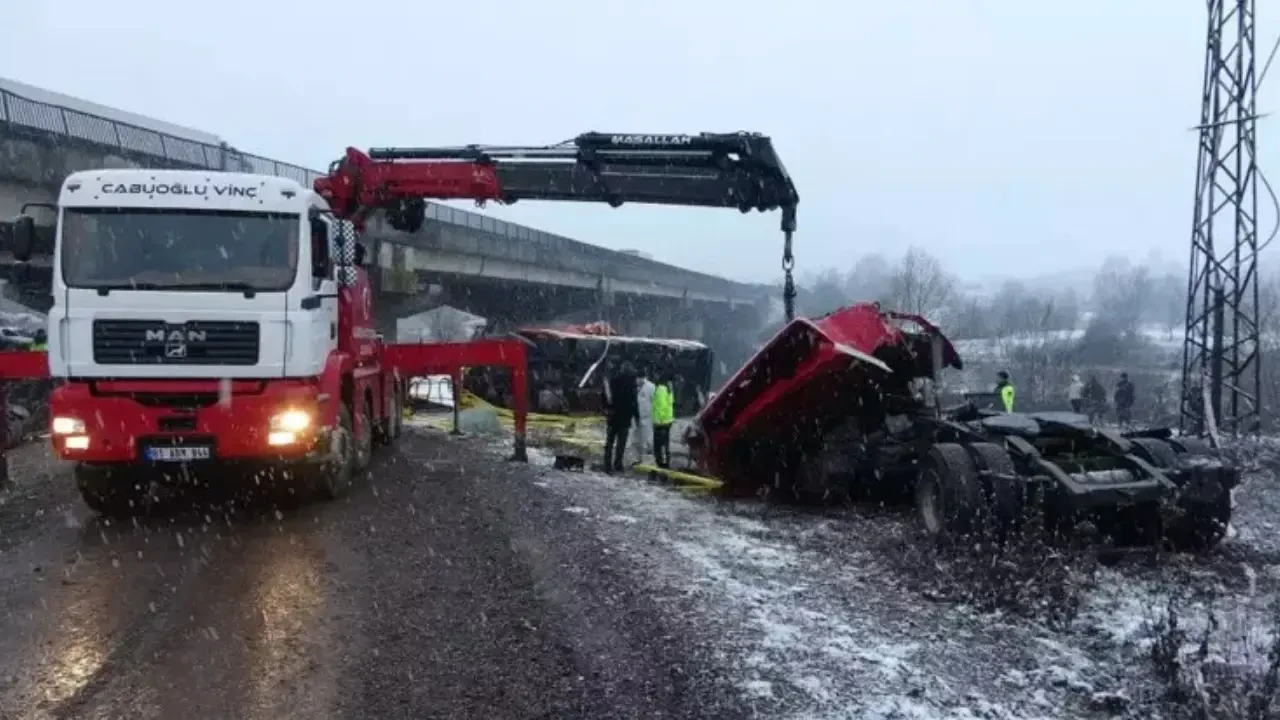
column 788, row 282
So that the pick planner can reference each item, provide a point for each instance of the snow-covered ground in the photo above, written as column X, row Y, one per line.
column 839, row 614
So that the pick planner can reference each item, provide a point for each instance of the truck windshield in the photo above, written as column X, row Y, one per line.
column 123, row 248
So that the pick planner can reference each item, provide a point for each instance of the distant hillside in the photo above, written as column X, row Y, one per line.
column 1079, row 279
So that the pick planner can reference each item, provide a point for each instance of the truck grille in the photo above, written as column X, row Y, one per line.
column 155, row 342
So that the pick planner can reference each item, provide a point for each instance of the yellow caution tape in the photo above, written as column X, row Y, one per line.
column 680, row 477
column 569, row 442
column 470, row 400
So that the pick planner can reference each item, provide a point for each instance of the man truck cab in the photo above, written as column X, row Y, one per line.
column 203, row 317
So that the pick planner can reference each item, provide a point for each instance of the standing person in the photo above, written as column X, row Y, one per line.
column 1075, row 393
column 1095, row 399
column 644, row 425
column 1124, row 400
column 664, row 415
column 621, row 409
column 1006, row 391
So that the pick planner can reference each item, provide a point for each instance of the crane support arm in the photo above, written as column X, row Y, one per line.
column 738, row 170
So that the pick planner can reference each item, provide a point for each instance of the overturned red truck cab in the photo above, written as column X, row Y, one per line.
column 848, row 404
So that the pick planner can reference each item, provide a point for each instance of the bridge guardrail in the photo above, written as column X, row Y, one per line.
column 58, row 120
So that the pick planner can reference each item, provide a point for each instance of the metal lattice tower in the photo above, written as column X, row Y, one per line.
column 1220, row 365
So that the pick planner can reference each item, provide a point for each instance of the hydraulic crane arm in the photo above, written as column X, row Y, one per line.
column 708, row 170
column 735, row 170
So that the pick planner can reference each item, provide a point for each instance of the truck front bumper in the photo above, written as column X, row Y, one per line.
column 104, row 422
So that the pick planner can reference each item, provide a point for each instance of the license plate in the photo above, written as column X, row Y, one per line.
column 178, row 454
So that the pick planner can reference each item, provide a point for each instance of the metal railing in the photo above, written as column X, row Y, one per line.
column 58, row 120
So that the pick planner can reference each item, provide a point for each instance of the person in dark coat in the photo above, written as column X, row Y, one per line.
column 1095, row 399
column 622, row 408
column 1124, row 400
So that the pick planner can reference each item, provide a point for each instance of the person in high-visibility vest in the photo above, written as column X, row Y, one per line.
column 1006, row 390
column 664, row 415
column 41, row 341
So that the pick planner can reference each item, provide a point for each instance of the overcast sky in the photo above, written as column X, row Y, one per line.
column 1004, row 136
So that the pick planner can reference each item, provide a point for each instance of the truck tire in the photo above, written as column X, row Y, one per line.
column 1195, row 525
column 1200, row 526
column 111, row 492
column 364, row 438
column 814, row 483
column 1157, row 452
column 949, row 499
column 336, row 474
column 1191, row 446
column 390, row 430
column 395, row 420
column 1007, row 501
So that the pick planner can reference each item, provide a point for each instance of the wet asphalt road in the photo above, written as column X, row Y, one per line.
column 447, row 586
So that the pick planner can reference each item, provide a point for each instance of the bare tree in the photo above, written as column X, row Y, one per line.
column 919, row 284
column 1269, row 329
column 869, row 279
column 1169, row 302
column 825, row 293
column 1122, row 295
column 972, row 319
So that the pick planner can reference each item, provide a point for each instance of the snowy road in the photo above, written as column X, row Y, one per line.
column 457, row 585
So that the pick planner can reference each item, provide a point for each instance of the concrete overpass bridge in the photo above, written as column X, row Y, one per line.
column 470, row 260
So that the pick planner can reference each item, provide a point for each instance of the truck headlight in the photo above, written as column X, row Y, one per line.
column 67, row 426
column 291, row 421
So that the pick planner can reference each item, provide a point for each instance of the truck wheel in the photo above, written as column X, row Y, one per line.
column 396, row 422
column 1007, row 503
column 948, row 493
column 334, row 476
column 1191, row 446
column 1197, row 526
column 1200, row 526
column 389, row 430
column 1157, row 452
column 110, row 492
column 814, row 481
column 364, row 438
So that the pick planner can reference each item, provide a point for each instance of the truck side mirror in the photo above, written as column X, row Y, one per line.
column 24, row 237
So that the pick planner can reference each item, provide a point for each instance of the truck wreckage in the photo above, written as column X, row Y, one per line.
column 847, row 404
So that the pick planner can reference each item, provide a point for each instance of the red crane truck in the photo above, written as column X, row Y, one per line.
column 206, row 318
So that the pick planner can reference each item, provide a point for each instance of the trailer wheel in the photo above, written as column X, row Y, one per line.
column 334, row 476
column 110, row 492
column 948, row 493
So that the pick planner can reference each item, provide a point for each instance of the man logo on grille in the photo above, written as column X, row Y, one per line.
column 176, row 341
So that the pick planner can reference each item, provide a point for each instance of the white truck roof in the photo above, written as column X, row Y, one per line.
column 186, row 189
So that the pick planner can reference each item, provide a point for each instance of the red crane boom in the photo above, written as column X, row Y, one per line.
column 735, row 170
